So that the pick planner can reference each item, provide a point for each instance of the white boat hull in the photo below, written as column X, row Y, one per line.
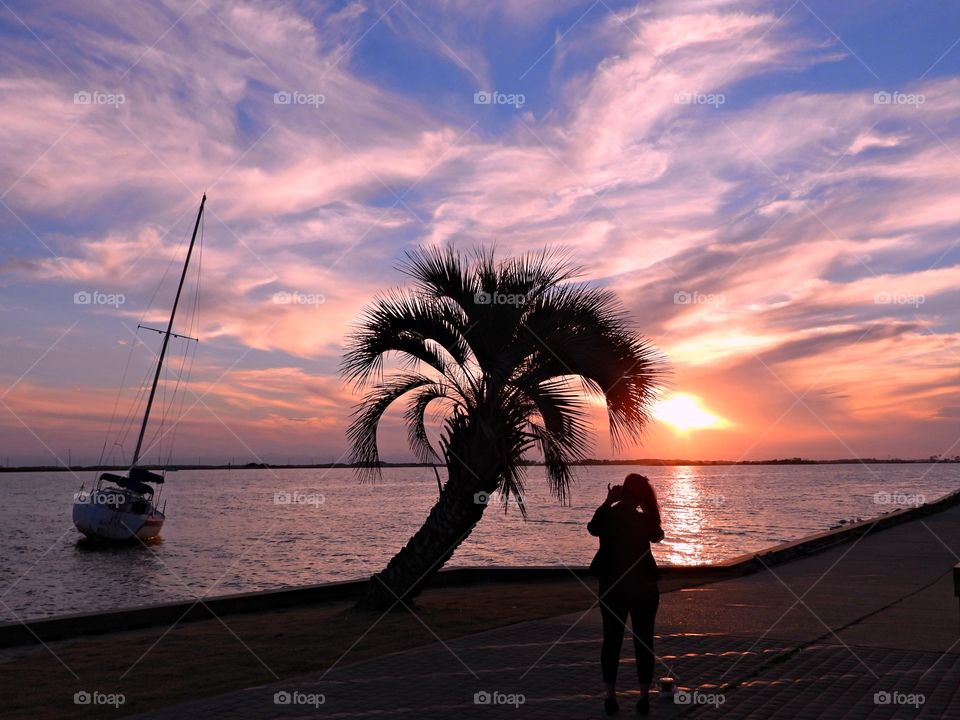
column 108, row 523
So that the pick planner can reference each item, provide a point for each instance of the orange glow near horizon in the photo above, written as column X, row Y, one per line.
column 685, row 412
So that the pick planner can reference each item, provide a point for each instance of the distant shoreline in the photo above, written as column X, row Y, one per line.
column 584, row 463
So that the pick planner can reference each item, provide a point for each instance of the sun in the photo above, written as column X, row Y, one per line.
column 685, row 412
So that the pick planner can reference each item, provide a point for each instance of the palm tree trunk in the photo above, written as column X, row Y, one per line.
column 450, row 522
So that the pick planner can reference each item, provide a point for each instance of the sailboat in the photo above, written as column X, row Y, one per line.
column 125, row 507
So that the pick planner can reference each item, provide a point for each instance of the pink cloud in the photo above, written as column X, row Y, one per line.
column 796, row 210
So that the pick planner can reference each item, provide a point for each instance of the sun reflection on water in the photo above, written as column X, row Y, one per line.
column 682, row 497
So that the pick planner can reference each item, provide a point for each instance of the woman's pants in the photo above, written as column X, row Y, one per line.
column 642, row 606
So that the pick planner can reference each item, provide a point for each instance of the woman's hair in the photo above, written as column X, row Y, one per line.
column 638, row 487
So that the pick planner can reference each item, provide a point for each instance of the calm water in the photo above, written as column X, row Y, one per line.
column 225, row 533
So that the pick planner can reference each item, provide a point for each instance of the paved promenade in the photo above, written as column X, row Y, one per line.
column 868, row 629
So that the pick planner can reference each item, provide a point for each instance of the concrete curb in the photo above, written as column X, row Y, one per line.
column 164, row 614
column 818, row 542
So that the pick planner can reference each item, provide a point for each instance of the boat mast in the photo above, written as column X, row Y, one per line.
column 166, row 335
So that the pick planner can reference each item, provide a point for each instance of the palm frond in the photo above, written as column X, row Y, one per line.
column 558, row 460
column 404, row 324
column 562, row 433
column 363, row 430
column 415, row 417
column 581, row 331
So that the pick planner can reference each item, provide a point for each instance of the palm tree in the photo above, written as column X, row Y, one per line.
column 509, row 350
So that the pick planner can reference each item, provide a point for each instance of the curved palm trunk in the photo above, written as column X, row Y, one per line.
column 450, row 522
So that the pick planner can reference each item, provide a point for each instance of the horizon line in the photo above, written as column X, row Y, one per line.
column 586, row 462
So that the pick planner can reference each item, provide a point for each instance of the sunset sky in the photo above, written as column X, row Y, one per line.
column 770, row 188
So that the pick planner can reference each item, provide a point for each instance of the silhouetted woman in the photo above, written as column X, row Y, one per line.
column 628, row 577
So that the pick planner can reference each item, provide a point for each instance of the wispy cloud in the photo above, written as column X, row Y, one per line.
column 781, row 229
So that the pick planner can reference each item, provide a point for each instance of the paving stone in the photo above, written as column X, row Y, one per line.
column 820, row 637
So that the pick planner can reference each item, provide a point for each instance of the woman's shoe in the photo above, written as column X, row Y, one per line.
column 610, row 705
column 643, row 705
